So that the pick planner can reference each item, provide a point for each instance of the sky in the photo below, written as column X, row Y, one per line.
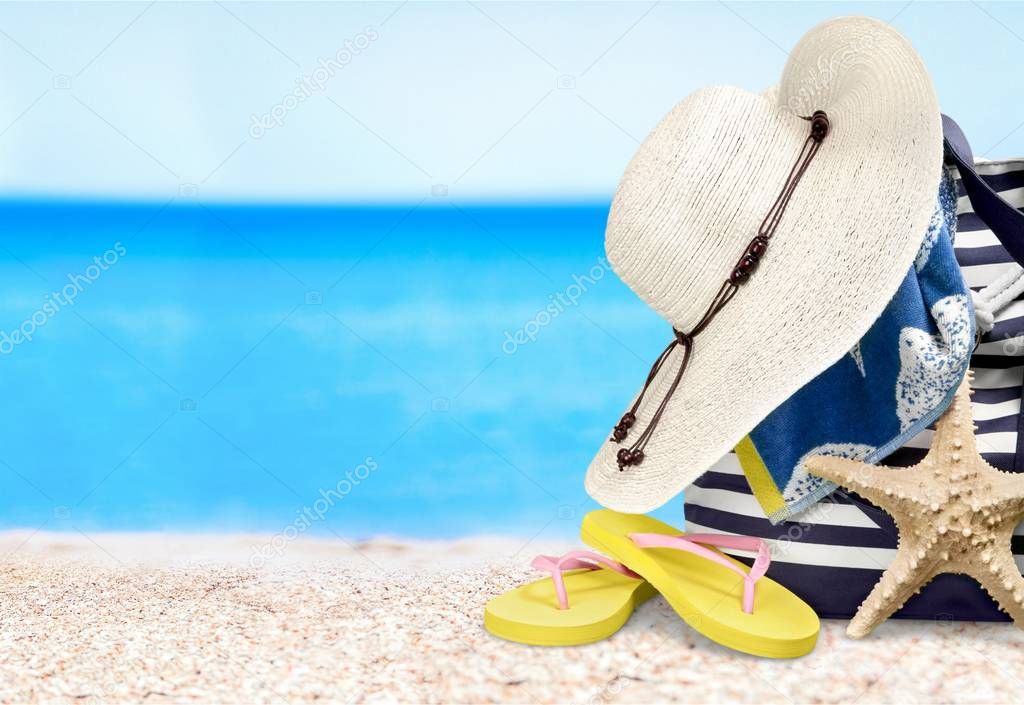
column 401, row 101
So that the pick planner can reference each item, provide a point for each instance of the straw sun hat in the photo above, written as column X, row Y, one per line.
column 838, row 170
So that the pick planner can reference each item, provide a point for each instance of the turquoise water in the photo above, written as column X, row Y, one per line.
column 432, row 371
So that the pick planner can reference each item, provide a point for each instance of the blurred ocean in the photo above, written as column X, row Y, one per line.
column 433, row 370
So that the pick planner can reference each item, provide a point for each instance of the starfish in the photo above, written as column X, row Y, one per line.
column 955, row 514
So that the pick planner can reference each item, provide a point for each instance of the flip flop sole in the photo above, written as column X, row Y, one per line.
column 600, row 602
column 707, row 596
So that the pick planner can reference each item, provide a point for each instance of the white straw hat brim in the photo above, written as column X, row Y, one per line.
column 693, row 197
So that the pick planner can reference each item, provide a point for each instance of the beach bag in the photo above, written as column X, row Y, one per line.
column 832, row 554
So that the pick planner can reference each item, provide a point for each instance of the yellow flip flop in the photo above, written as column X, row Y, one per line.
column 604, row 594
column 717, row 595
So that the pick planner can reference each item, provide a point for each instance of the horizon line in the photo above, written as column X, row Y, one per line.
column 186, row 201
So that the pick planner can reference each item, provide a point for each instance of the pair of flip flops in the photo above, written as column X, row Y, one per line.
column 589, row 596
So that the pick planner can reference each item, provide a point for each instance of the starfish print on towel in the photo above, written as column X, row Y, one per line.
column 932, row 365
column 858, row 359
column 945, row 213
column 931, row 236
column 801, row 483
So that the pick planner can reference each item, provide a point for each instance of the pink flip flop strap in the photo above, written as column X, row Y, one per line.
column 573, row 560
column 691, row 544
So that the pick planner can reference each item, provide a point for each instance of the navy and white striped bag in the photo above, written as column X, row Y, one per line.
column 834, row 553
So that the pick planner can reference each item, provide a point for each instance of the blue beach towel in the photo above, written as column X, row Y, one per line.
column 898, row 379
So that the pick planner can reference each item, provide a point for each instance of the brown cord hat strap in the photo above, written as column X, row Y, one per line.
column 755, row 250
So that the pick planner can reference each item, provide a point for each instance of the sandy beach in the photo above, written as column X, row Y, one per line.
column 113, row 618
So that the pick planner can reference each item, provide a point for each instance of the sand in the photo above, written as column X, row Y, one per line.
column 109, row 618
